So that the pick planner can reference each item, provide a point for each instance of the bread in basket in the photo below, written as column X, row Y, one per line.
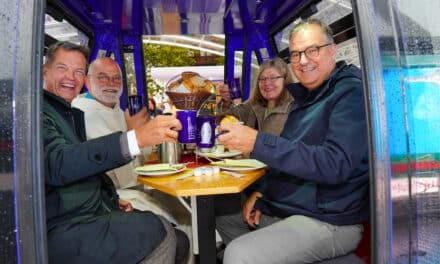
column 189, row 90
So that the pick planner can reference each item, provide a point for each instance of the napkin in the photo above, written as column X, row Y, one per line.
column 160, row 167
column 249, row 163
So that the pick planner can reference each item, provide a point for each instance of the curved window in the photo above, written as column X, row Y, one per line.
column 64, row 31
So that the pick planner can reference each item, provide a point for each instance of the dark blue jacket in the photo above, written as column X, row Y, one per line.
column 319, row 165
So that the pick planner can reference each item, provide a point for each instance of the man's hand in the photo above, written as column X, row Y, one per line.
column 251, row 216
column 136, row 120
column 125, row 205
column 238, row 137
column 158, row 130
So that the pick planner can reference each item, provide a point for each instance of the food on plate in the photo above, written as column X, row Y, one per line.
column 229, row 119
column 190, row 82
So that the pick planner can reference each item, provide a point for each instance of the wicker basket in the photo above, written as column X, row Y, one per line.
column 188, row 101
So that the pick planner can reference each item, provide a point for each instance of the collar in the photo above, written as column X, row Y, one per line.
column 89, row 96
column 281, row 108
column 56, row 100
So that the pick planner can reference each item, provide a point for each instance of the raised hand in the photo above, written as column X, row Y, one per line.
column 160, row 129
column 237, row 136
column 136, row 120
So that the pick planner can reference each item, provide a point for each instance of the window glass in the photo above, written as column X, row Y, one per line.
column 410, row 56
column 130, row 73
column 64, row 31
column 7, row 218
column 330, row 12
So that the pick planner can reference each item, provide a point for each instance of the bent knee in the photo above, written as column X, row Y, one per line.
column 239, row 253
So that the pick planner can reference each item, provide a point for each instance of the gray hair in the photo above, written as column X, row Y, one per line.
column 99, row 60
column 313, row 21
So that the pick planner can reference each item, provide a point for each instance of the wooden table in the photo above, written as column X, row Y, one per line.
column 201, row 189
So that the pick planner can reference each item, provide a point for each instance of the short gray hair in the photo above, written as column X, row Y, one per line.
column 313, row 21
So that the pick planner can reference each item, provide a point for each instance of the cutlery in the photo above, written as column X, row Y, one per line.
column 235, row 174
column 214, row 159
column 184, row 176
column 234, row 163
column 156, row 168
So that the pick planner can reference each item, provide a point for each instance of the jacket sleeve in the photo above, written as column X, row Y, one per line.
column 340, row 154
column 243, row 112
column 67, row 162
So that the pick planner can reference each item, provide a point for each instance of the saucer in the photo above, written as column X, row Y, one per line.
column 226, row 154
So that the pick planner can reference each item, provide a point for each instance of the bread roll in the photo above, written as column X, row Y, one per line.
column 191, row 82
column 229, row 119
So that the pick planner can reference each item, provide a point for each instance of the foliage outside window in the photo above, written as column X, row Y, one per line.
column 168, row 56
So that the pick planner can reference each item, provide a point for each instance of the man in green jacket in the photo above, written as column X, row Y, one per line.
column 86, row 221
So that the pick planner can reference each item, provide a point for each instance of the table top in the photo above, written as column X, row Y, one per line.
column 201, row 185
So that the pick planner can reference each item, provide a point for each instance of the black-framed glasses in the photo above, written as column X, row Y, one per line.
column 104, row 78
column 310, row 52
column 271, row 79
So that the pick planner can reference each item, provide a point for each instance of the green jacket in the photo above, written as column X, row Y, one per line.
column 84, row 222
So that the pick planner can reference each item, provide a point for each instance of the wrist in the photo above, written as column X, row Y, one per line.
column 134, row 142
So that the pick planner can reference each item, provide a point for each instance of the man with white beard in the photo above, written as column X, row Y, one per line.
column 103, row 116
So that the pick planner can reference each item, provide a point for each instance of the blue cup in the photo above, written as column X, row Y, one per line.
column 134, row 104
column 205, row 131
column 234, row 88
column 189, row 126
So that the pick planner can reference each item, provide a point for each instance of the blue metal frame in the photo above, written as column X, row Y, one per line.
column 112, row 26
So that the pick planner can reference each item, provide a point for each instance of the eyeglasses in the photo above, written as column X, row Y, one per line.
column 271, row 79
column 310, row 52
column 64, row 68
column 104, row 78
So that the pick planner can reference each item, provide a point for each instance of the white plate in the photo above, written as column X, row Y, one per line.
column 226, row 154
column 159, row 173
column 258, row 165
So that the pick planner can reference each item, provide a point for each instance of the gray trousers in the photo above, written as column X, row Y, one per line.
column 296, row 239
column 165, row 253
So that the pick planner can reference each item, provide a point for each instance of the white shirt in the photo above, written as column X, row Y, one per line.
column 100, row 121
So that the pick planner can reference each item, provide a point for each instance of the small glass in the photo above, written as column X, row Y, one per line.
column 134, row 104
column 234, row 88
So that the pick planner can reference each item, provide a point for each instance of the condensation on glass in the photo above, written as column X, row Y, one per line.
column 411, row 74
column 7, row 219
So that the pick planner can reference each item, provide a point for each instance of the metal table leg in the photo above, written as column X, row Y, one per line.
column 206, row 229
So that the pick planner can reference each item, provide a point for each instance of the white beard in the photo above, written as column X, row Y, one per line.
column 100, row 95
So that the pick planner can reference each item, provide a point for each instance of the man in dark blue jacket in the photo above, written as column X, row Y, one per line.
column 311, row 203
